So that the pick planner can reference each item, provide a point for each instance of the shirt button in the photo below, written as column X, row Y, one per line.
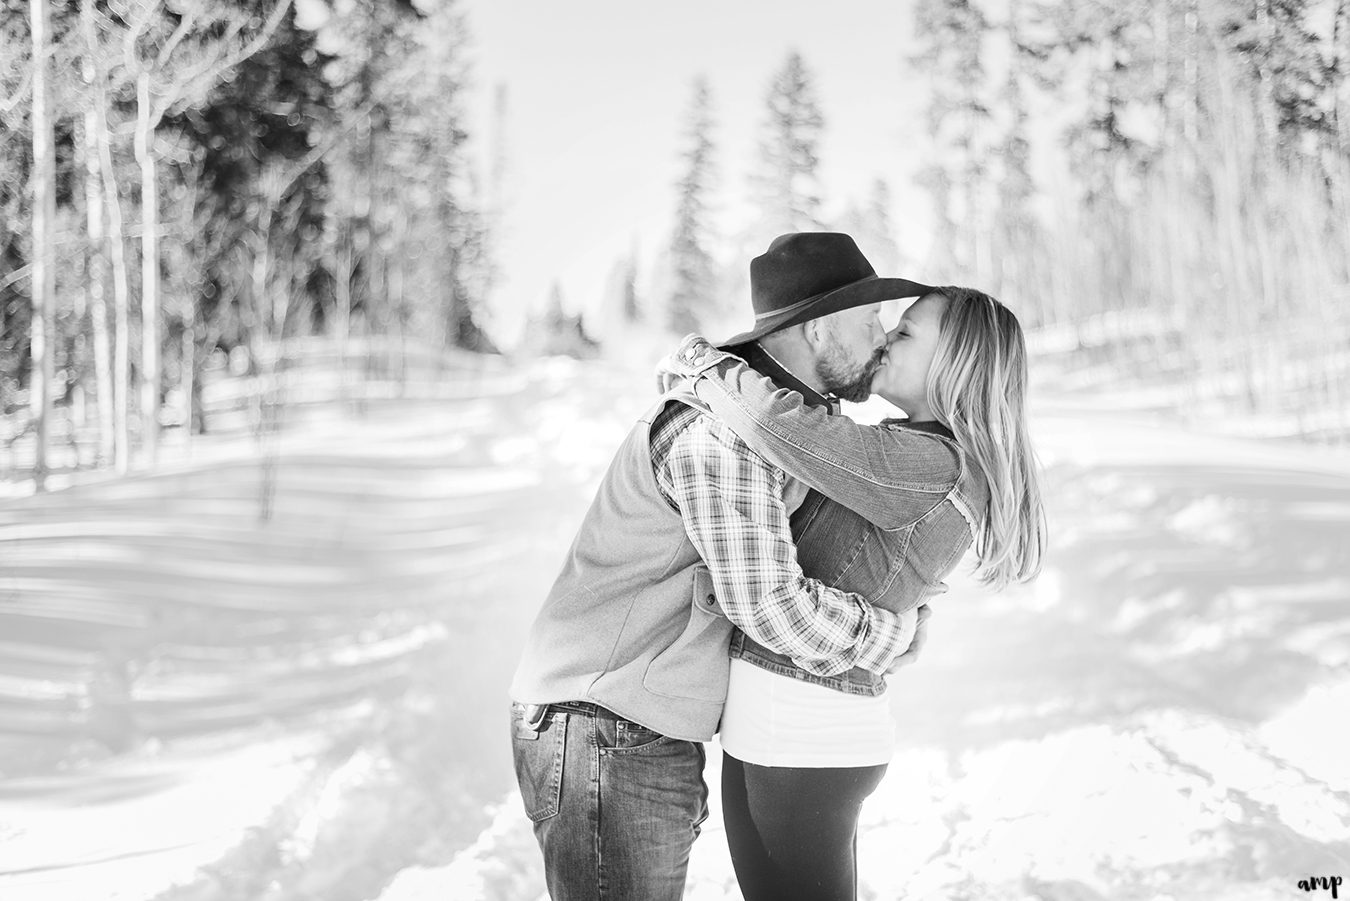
column 712, row 599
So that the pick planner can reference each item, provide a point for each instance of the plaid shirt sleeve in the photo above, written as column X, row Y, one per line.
column 731, row 500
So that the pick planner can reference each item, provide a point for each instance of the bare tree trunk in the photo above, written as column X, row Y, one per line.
column 1340, row 50
column 1268, row 112
column 1190, row 107
column 342, row 290
column 116, row 247
column 77, row 349
column 121, row 310
column 262, row 397
column 188, row 367
column 97, row 284
column 343, row 264
column 149, row 372
column 187, row 297
column 44, row 272
column 377, row 292
column 401, row 314
column 262, row 263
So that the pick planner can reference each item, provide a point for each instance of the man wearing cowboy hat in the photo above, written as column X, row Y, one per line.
column 624, row 672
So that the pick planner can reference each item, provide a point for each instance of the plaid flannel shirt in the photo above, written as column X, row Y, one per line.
column 731, row 500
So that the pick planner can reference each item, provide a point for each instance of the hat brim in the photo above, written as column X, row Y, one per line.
column 855, row 294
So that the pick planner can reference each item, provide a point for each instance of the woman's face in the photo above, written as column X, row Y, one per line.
column 903, row 376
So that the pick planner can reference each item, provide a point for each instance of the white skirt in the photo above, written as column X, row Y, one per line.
column 774, row 720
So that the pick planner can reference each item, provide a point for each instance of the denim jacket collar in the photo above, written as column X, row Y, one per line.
column 766, row 364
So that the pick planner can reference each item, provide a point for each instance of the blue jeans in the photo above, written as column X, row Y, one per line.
column 616, row 807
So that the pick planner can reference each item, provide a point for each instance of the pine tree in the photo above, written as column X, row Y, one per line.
column 621, row 307
column 1016, row 233
column 1111, row 51
column 256, row 168
column 631, row 309
column 555, row 319
column 555, row 332
column 1294, row 73
column 787, row 188
column 951, row 33
column 435, row 163
column 1109, row 56
column 871, row 228
column 693, row 283
column 419, row 214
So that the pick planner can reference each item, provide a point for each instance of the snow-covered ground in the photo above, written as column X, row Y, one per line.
column 1163, row 715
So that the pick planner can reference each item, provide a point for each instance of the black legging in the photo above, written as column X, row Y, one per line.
column 793, row 830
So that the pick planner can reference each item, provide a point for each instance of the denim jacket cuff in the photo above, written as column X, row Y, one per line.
column 696, row 355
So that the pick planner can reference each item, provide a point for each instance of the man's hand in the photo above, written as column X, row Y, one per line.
column 911, row 654
column 689, row 359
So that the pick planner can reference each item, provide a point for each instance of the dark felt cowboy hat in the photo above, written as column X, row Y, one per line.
column 805, row 275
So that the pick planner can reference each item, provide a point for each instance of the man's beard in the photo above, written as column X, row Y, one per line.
column 850, row 382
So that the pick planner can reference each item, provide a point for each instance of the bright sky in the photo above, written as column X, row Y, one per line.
column 598, row 91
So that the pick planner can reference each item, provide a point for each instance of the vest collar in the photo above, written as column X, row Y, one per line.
column 765, row 363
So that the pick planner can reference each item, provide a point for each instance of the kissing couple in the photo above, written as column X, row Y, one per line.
column 755, row 565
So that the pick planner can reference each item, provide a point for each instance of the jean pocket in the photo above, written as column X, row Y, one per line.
column 633, row 738
column 539, row 763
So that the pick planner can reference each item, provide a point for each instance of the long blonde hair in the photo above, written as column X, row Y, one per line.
column 977, row 387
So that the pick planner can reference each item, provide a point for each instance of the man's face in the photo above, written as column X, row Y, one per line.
column 852, row 351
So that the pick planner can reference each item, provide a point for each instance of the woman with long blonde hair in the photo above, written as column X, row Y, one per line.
column 977, row 388
column 895, row 509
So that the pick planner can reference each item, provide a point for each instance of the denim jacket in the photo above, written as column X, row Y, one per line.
column 900, row 502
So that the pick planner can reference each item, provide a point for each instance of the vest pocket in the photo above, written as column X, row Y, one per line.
column 696, row 664
column 539, row 764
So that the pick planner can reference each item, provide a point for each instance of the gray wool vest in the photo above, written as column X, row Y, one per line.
column 632, row 623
